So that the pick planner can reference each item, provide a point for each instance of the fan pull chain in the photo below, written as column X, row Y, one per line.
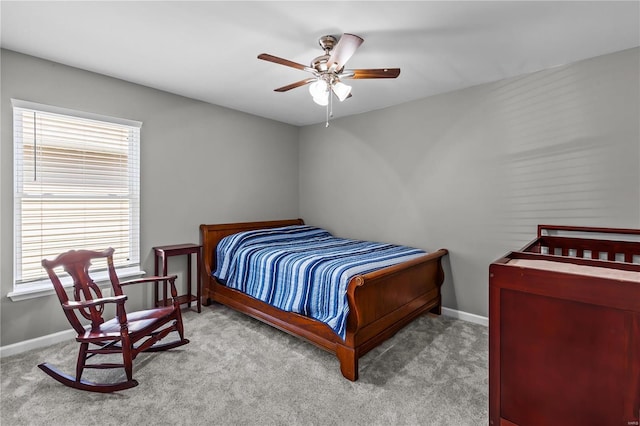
column 327, row 116
column 331, row 103
column 329, row 109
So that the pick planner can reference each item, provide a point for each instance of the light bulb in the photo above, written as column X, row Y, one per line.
column 341, row 90
column 318, row 88
column 322, row 100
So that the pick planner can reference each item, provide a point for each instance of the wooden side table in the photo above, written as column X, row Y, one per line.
column 161, row 255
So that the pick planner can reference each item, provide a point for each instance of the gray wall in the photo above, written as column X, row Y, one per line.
column 476, row 170
column 200, row 163
column 473, row 171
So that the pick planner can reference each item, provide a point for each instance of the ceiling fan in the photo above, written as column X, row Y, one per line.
column 328, row 69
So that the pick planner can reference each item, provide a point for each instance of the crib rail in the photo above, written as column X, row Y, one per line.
column 620, row 245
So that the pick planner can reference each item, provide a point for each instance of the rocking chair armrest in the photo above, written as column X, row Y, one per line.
column 94, row 302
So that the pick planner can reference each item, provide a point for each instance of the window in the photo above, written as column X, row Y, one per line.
column 76, row 186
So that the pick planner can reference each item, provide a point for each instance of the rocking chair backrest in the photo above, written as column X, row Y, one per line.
column 76, row 263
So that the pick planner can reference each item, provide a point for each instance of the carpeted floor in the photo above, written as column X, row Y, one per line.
column 237, row 370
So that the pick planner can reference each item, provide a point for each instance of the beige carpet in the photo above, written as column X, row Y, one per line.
column 237, row 370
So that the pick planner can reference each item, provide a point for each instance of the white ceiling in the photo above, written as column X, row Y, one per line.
column 207, row 49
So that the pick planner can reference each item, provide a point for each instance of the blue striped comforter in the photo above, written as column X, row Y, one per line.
column 302, row 268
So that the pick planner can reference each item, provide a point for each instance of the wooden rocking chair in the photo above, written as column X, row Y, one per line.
column 127, row 334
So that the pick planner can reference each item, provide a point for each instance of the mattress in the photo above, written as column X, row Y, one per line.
column 303, row 269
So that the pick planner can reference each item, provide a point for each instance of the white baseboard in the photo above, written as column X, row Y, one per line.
column 465, row 316
column 61, row 336
column 44, row 341
column 38, row 342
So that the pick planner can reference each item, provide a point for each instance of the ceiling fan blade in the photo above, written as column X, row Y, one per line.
column 286, row 62
column 344, row 49
column 294, row 85
column 372, row 73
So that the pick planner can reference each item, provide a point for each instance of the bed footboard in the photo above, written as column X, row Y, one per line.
column 384, row 301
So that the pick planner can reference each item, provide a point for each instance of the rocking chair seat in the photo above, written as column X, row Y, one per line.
column 137, row 323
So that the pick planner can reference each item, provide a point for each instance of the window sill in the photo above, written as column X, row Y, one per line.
column 44, row 288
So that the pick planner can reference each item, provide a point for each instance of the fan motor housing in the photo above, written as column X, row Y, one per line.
column 320, row 63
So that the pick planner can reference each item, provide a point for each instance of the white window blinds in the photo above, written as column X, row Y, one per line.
column 77, row 186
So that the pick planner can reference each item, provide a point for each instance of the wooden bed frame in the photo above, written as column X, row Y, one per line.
column 564, row 329
column 380, row 302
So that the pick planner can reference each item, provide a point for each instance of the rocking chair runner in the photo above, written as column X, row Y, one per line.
column 127, row 334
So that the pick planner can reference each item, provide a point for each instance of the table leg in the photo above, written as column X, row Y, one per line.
column 155, row 284
column 189, row 278
column 164, row 283
column 199, row 280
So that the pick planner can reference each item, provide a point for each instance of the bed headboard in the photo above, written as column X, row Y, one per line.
column 210, row 236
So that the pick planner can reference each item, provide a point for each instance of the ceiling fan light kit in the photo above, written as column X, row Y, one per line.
column 321, row 88
column 328, row 70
